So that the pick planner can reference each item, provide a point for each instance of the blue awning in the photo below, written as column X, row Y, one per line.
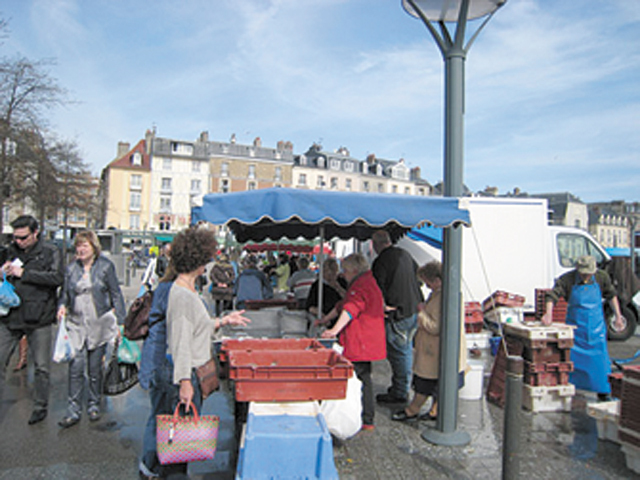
column 284, row 212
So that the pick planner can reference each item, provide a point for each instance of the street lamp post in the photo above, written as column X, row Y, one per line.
column 454, row 52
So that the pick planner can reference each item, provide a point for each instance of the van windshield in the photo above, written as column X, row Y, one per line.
column 571, row 247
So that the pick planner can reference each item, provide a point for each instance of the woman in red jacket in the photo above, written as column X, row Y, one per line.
column 360, row 327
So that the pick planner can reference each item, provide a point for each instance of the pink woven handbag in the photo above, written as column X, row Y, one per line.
column 192, row 438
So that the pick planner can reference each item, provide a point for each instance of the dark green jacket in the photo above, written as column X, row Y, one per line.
column 564, row 284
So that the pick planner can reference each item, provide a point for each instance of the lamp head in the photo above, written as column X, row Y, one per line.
column 447, row 10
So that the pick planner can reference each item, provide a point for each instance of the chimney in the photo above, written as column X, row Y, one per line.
column 123, row 149
column 148, row 139
column 204, row 137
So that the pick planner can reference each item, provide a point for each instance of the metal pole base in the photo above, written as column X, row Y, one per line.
column 452, row 439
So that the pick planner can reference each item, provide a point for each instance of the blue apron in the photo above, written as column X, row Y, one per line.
column 589, row 354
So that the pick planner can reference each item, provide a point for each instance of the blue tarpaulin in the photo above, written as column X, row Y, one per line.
column 285, row 212
column 427, row 233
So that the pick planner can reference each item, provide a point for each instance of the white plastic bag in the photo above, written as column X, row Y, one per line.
column 344, row 417
column 63, row 350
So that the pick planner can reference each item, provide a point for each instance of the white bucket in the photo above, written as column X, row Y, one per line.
column 472, row 389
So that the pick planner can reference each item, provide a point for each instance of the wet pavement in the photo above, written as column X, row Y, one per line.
column 554, row 445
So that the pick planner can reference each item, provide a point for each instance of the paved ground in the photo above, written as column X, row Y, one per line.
column 554, row 445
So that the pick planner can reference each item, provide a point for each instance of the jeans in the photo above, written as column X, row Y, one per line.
column 90, row 360
column 164, row 397
column 363, row 372
column 39, row 341
column 400, row 335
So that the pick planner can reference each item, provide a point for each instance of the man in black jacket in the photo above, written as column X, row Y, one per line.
column 34, row 267
column 396, row 274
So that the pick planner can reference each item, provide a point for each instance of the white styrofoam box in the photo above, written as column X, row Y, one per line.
column 285, row 408
column 505, row 315
column 632, row 455
column 537, row 331
column 548, row 399
column 607, row 415
column 478, row 340
column 472, row 389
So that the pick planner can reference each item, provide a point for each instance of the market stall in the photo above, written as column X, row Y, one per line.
column 278, row 213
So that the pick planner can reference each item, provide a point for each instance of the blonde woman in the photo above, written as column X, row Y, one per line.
column 93, row 303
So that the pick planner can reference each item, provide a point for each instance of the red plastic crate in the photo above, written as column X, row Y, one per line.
column 615, row 380
column 268, row 344
column 546, row 379
column 502, row 299
column 289, row 375
column 475, row 327
column 471, row 307
column 559, row 310
column 541, row 351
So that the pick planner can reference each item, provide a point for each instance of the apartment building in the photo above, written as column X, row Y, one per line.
column 153, row 186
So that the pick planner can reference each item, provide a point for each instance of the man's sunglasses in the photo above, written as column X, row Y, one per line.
column 23, row 237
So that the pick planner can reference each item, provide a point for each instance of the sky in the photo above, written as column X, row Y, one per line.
column 552, row 100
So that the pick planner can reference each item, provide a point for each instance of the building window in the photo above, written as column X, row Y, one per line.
column 348, row 166
column 302, row 179
column 134, row 222
column 195, row 186
column 166, row 184
column 135, row 201
column 421, row 191
column 320, row 182
column 251, row 186
column 394, row 188
column 278, row 176
column 334, row 183
column 166, row 164
column 365, row 186
column 252, row 171
column 303, row 160
column 165, row 203
column 224, row 169
column 164, row 224
column 181, row 148
column 407, row 190
column 136, row 159
column 347, row 184
column 195, row 166
column 224, row 185
column 335, row 164
column 380, row 188
column 135, row 182
column 321, row 162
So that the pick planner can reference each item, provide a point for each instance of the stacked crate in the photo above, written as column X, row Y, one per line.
column 503, row 307
column 547, row 364
column 630, row 407
column 559, row 310
column 473, row 321
column 629, row 422
column 615, row 380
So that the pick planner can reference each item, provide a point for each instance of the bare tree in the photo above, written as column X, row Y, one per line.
column 34, row 176
column 75, row 184
column 26, row 91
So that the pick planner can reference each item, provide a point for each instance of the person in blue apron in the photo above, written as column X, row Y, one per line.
column 584, row 289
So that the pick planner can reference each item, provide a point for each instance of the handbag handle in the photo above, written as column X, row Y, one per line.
column 176, row 415
column 176, row 412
